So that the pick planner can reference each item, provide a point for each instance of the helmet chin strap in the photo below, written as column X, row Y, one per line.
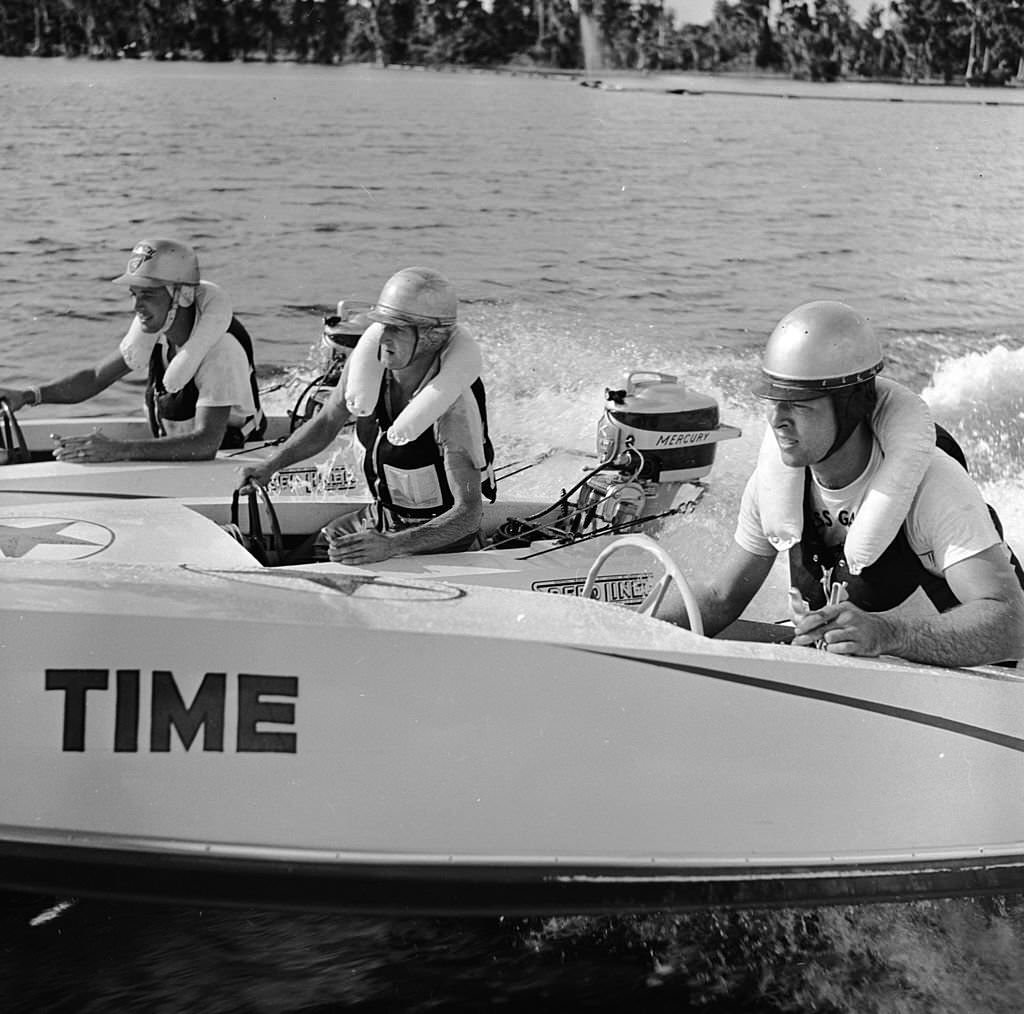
column 430, row 339
column 433, row 338
column 420, row 342
column 415, row 346
column 181, row 296
column 852, row 406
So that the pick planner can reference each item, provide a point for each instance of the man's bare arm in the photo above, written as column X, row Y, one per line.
column 724, row 595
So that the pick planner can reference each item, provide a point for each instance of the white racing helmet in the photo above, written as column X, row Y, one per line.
column 156, row 262
column 166, row 263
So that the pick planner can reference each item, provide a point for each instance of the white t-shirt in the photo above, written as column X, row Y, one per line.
column 222, row 379
column 948, row 521
column 222, row 375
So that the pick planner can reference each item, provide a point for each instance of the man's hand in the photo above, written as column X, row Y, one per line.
column 254, row 475
column 363, row 547
column 91, row 448
column 15, row 398
column 846, row 630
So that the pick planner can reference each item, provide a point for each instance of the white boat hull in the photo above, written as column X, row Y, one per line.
column 189, row 533
column 425, row 736
column 372, row 743
column 44, row 480
column 112, row 512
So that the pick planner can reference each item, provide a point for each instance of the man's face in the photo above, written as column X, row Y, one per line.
column 397, row 346
column 804, row 430
column 151, row 307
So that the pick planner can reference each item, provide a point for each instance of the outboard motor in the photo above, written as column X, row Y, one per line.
column 341, row 331
column 655, row 435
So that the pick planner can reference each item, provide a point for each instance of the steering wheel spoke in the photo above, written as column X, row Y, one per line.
column 655, row 597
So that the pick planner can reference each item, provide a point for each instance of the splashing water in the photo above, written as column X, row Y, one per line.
column 949, row 957
column 980, row 398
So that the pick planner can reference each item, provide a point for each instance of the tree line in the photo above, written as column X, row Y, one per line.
column 980, row 41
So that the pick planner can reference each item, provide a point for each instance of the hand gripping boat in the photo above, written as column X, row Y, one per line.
column 368, row 743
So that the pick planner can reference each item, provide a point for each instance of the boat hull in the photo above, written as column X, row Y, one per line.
column 381, row 744
column 43, row 480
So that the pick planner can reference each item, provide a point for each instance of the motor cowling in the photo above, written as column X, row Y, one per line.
column 676, row 430
column 342, row 330
column 655, row 434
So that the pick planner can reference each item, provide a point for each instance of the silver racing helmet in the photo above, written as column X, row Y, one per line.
column 824, row 349
column 417, row 297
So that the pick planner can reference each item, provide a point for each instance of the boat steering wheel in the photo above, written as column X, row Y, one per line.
column 13, row 447
column 657, row 593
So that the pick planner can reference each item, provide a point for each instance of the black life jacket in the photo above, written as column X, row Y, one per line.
column 180, row 406
column 892, row 578
column 423, row 452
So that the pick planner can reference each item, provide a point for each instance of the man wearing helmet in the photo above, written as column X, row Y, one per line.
column 412, row 386
column 818, row 377
column 202, row 392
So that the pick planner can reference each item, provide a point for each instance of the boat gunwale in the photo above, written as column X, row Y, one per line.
column 444, row 885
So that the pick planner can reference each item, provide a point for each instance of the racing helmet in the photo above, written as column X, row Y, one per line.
column 817, row 349
column 156, row 262
column 418, row 297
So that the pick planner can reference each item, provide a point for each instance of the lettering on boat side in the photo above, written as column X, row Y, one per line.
column 208, row 710
column 629, row 589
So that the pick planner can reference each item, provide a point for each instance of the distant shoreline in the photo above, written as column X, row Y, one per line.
column 734, row 75
column 588, row 78
column 608, row 80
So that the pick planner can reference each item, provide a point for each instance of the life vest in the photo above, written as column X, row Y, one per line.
column 892, row 578
column 180, row 406
column 902, row 424
column 459, row 365
column 409, row 478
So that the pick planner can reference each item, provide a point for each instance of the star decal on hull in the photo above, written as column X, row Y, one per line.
column 52, row 538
